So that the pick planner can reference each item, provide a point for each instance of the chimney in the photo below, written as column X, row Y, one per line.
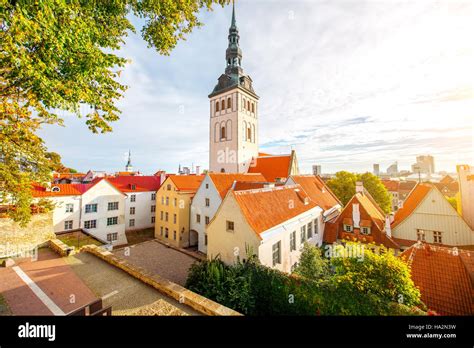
column 388, row 229
column 359, row 187
column 356, row 215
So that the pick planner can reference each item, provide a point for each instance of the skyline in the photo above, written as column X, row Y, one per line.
column 378, row 76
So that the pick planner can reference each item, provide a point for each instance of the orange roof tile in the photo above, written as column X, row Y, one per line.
column 272, row 167
column 142, row 183
column 447, row 180
column 444, row 277
column 317, row 190
column 391, row 185
column 268, row 207
column 413, row 200
column 187, row 182
column 67, row 175
column 223, row 181
column 64, row 190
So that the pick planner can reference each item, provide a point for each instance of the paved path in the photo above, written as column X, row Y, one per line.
column 159, row 259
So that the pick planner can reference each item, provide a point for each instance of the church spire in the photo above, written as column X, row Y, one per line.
column 233, row 54
column 129, row 166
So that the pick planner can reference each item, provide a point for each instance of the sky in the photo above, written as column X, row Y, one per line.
column 344, row 83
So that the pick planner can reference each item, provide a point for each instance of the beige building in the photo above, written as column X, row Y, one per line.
column 271, row 223
column 427, row 216
column 173, row 202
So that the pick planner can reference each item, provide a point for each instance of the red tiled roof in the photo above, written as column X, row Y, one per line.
column 414, row 199
column 223, row 181
column 406, row 185
column 247, row 185
column 64, row 190
column 391, row 185
column 447, row 180
column 142, row 183
column 317, row 190
column 68, row 175
column 265, row 208
column 444, row 277
column 272, row 167
column 187, row 182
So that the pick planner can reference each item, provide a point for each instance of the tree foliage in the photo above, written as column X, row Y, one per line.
column 60, row 56
column 344, row 185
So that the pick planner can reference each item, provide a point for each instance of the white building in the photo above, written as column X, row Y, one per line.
column 209, row 197
column 97, row 208
column 140, row 201
column 270, row 223
column 233, row 113
column 466, row 192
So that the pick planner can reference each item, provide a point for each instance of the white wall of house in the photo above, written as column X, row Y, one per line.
column 198, row 207
column 143, row 210
column 62, row 214
column 435, row 213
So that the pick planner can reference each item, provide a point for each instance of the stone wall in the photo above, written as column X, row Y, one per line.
column 173, row 290
column 60, row 248
column 15, row 239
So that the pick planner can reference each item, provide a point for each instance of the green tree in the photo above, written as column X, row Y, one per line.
column 344, row 184
column 311, row 264
column 60, row 56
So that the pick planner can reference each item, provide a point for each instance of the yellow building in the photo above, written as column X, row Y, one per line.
column 173, row 201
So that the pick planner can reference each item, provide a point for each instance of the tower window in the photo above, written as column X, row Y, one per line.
column 249, row 134
column 248, row 105
column 253, row 107
column 222, row 133
column 217, row 106
column 229, row 103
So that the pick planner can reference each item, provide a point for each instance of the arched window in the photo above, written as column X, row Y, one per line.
column 55, row 189
column 248, row 105
column 253, row 108
column 244, row 104
column 223, row 132
column 222, row 170
column 228, row 128
column 229, row 103
column 249, row 133
column 217, row 106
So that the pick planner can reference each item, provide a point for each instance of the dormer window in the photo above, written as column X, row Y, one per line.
column 55, row 189
column 133, row 186
column 365, row 230
column 348, row 228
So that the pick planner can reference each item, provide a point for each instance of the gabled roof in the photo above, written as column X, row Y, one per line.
column 272, row 167
column 57, row 190
column 447, row 179
column 391, row 185
column 223, row 181
column 317, row 190
column 142, row 183
column 413, row 200
column 444, row 277
column 374, row 211
column 269, row 207
column 188, row 183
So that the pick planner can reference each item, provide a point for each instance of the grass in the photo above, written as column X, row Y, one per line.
column 4, row 308
column 78, row 241
column 135, row 237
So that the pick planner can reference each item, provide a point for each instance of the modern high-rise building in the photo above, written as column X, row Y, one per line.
column 393, row 169
column 317, row 170
column 424, row 164
column 376, row 169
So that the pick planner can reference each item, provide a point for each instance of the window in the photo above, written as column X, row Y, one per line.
column 230, row 226
column 175, row 202
column 205, row 239
column 253, row 108
column 166, row 232
column 303, row 234
column 310, row 230
column 134, row 187
column 69, row 208
column 420, row 235
column 316, row 226
column 347, row 228
column 166, row 216
column 437, row 237
column 161, row 215
column 198, row 218
column 167, row 201
column 152, row 219
column 174, row 218
column 112, row 206
column 222, row 133
column 112, row 236
column 293, row 241
column 207, row 186
column 206, row 220
column 168, row 187
column 174, row 235
column 208, row 202
column 153, row 196
column 248, row 105
column 131, row 223
column 229, row 103
column 161, row 231
column 153, row 208
column 163, row 200
column 276, row 252
column 91, row 208
column 90, row 224
column 68, row 225
column 112, row 221
column 217, row 106
column 249, row 134
column 55, row 189
column 365, row 230
column 133, row 198
column 132, row 210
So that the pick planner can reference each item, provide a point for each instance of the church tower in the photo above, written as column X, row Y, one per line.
column 129, row 167
column 233, row 113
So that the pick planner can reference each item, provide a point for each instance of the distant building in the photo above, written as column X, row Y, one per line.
column 424, row 165
column 466, row 190
column 275, row 168
column 393, row 169
column 376, row 169
column 393, row 187
column 317, row 170
column 128, row 166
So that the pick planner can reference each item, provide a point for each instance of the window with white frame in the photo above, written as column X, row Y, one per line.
column 347, row 228
column 206, row 220
column 68, row 224
column 293, row 241
column 153, row 196
column 365, row 230
column 112, row 221
column 113, row 206
column 90, row 224
column 316, row 226
column 133, row 198
column 112, row 236
column 420, row 235
column 208, row 202
column 91, row 208
column 152, row 219
column 198, row 218
column 303, row 234
column 131, row 222
column 69, row 208
column 153, row 208
column 132, row 210
column 437, row 237
column 310, row 229
column 276, row 253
